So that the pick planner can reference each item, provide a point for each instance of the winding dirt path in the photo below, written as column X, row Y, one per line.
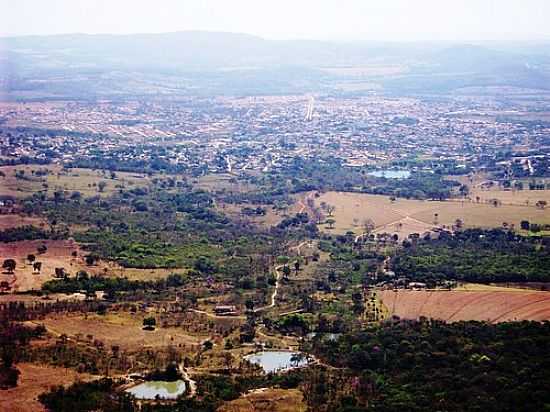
column 275, row 291
column 192, row 384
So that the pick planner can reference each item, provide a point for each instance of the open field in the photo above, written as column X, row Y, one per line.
column 13, row 220
column 506, row 196
column 34, row 380
column 218, row 182
column 85, row 181
column 480, row 287
column 490, row 306
column 419, row 215
column 267, row 400
column 511, row 197
column 123, row 329
column 271, row 217
column 59, row 254
column 367, row 70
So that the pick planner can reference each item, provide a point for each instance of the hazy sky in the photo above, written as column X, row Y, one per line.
column 284, row 19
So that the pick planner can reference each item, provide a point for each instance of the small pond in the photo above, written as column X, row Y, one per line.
column 391, row 174
column 273, row 361
column 162, row 389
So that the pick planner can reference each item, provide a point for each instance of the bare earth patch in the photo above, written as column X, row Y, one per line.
column 491, row 306
column 34, row 380
column 12, row 220
column 59, row 254
column 267, row 400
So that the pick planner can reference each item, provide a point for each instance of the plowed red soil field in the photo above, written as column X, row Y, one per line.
column 491, row 306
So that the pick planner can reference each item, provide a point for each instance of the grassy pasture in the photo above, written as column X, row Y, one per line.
column 506, row 196
column 267, row 399
column 219, row 182
column 420, row 215
column 122, row 329
column 271, row 217
column 85, row 181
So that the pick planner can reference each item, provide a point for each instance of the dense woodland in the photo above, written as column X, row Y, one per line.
column 430, row 365
column 475, row 255
column 301, row 175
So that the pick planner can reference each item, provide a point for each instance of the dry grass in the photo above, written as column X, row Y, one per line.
column 122, row 329
column 226, row 181
column 271, row 218
column 512, row 197
column 267, row 400
column 13, row 220
column 84, row 181
column 419, row 215
column 507, row 197
column 59, row 255
column 479, row 287
column 34, row 380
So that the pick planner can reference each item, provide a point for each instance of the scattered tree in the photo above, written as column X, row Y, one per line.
column 9, row 265
column 149, row 323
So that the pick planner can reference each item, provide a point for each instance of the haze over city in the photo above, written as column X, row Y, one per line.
column 390, row 20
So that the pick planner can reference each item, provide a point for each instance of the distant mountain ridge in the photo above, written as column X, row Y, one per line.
column 236, row 56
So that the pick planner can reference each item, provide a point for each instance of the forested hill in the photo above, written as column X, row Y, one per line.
column 434, row 366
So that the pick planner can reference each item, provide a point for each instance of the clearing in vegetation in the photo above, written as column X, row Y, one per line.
column 405, row 216
column 452, row 306
column 267, row 400
column 123, row 330
column 34, row 380
column 24, row 180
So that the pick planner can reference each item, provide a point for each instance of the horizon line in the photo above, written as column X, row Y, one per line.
column 342, row 39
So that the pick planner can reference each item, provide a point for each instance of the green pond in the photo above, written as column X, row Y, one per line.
column 162, row 389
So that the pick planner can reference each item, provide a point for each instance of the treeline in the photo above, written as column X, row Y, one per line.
column 474, row 255
column 439, row 166
column 99, row 283
column 24, row 160
column 152, row 227
column 14, row 338
column 87, row 396
column 27, row 232
column 25, row 311
column 300, row 175
column 433, row 366
column 129, row 161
